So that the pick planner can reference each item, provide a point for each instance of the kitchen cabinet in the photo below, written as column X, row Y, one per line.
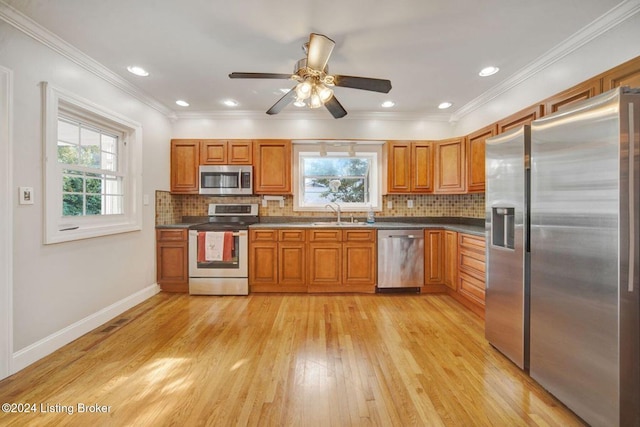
column 185, row 158
column 409, row 167
column 433, row 259
column 523, row 117
column 450, row 166
column 342, row 260
column 226, row 152
column 277, row 260
column 272, row 167
column 450, row 268
column 627, row 74
column 171, row 259
column 575, row 94
column 475, row 158
column 471, row 279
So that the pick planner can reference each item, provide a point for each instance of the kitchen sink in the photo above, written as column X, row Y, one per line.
column 339, row 224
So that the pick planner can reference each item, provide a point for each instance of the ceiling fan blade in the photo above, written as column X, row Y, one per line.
column 320, row 48
column 259, row 76
column 282, row 102
column 364, row 83
column 335, row 108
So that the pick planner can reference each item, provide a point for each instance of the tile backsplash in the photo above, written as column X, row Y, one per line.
column 170, row 208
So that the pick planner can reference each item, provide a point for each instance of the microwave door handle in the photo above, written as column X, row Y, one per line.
column 239, row 178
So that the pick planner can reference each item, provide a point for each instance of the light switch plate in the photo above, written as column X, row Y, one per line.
column 26, row 195
column 145, row 200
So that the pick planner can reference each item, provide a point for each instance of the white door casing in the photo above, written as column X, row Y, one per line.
column 6, row 226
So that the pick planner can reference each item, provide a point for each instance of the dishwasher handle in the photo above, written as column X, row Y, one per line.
column 404, row 236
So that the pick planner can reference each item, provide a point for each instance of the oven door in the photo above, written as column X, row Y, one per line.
column 236, row 266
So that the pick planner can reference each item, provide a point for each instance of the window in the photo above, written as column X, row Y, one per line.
column 338, row 172
column 91, row 169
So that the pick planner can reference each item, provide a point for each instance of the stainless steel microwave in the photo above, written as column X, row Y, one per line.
column 226, row 180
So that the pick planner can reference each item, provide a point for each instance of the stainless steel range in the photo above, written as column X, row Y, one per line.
column 219, row 251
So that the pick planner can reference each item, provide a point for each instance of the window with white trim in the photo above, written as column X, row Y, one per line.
column 92, row 169
column 347, row 174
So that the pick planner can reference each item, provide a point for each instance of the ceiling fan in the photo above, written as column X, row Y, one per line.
column 314, row 81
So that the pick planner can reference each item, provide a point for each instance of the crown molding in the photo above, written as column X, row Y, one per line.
column 307, row 114
column 57, row 44
column 604, row 23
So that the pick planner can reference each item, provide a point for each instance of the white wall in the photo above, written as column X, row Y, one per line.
column 66, row 289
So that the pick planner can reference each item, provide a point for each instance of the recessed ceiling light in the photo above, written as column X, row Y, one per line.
column 299, row 104
column 230, row 103
column 444, row 105
column 388, row 104
column 182, row 103
column 488, row 71
column 285, row 90
column 138, row 71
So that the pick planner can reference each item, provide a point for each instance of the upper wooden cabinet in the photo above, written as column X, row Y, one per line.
column 410, row 167
column 222, row 152
column 272, row 167
column 475, row 158
column 185, row 157
column 523, row 117
column 450, row 166
column 565, row 99
column 627, row 74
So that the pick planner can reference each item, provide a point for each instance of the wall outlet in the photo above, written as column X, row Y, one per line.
column 409, row 203
column 389, row 204
column 26, row 195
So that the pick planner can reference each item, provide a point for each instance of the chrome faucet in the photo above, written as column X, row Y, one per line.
column 336, row 209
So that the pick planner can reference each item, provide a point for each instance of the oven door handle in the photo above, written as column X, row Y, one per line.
column 235, row 233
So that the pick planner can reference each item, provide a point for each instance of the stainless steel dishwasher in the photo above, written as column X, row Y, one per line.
column 400, row 259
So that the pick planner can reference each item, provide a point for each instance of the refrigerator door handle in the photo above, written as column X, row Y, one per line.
column 632, row 194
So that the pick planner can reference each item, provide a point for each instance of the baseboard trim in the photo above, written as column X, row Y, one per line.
column 51, row 343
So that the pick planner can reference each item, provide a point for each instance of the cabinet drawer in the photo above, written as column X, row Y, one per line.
column 285, row 235
column 263, row 235
column 325, row 235
column 472, row 242
column 472, row 262
column 171, row 235
column 471, row 288
column 358, row 235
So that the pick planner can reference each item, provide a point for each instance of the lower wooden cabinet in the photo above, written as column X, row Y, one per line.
column 472, row 268
column 451, row 259
column 277, row 260
column 172, row 248
column 433, row 259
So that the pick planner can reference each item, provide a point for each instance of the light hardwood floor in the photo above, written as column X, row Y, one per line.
column 340, row 360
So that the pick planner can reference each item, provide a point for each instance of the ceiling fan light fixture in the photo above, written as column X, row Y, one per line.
column 304, row 89
column 315, row 101
column 324, row 92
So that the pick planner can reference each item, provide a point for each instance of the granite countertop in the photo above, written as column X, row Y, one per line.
column 473, row 226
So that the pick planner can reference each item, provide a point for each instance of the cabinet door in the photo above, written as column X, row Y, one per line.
column 213, row 152
column 451, row 259
column 450, row 166
column 359, row 261
column 422, row 167
column 523, row 117
column 240, row 152
column 185, row 158
column 399, row 167
column 325, row 265
column 291, row 265
column 627, row 74
column 472, row 288
column 577, row 93
column 263, row 264
column 434, row 257
column 171, row 259
column 272, row 167
column 475, row 158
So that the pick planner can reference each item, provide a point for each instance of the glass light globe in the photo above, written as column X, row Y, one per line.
column 303, row 89
column 324, row 92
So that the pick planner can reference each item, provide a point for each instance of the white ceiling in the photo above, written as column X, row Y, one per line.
column 431, row 50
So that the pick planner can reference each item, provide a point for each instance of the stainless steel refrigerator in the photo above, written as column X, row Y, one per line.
column 585, row 305
column 507, row 284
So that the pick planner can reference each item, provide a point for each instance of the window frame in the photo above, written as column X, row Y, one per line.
column 59, row 103
column 372, row 149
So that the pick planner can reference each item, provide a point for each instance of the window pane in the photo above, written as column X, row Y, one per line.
column 335, row 179
column 68, row 133
column 94, row 205
column 71, row 205
column 109, row 162
column 68, row 154
column 113, row 185
column 113, row 205
column 71, row 184
column 94, row 185
column 109, row 143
